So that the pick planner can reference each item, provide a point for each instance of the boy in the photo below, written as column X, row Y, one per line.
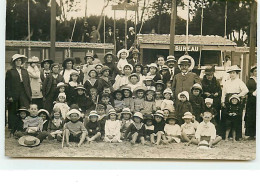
column 188, row 129
column 33, row 125
column 93, row 127
column 101, row 110
column 172, row 130
column 74, row 130
column 206, row 131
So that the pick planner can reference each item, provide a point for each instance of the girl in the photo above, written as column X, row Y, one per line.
column 122, row 55
column 153, row 72
column 188, row 129
column 172, row 130
column 112, row 128
column 56, row 125
column 122, row 80
column 145, row 71
column 92, row 82
column 159, row 126
column 98, row 68
column 62, row 105
column 167, row 103
column 22, row 113
column 209, row 108
column 149, row 128
column 159, row 85
column 136, row 130
column 93, row 127
column 126, row 121
column 138, row 102
column 45, row 68
column 119, row 103
column 149, row 103
column 166, row 113
column 166, row 76
column 67, row 69
column 106, row 81
column 133, row 81
column 127, row 96
column 158, row 100
column 138, row 69
column 49, row 90
column 44, row 114
column 148, row 82
column 35, row 80
column 197, row 102
column 89, row 65
column 73, row 83
column 105, row 99
column 183, row 105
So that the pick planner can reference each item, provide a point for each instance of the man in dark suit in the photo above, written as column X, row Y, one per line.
column 135, row 57
column 173, row 67
column 109, row 35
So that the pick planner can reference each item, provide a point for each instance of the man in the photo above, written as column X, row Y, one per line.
column 94, row 35
column 109, row 35
column 135, row 57
column 130, row 37
column 85, row 33
column 173, row 68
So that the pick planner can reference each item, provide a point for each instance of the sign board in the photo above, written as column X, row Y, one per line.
column 190, row 48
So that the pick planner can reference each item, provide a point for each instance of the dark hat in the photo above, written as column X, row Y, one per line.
column 136, row 51
column 253, row 68
column 78, row 60
column 104, row 68
column 148, row 117
column 93, row 69
column 171, row 116
column 139, row 64
column 159, row 82
column 127, row 88
column 66, row 61
column 117, row 91
column 109, row 53
column 210, row 70
column 46, row 60
column 23, row 109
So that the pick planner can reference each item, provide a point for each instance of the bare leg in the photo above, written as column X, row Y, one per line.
column 234, row 135
column 217, row 140
column 165, row 140
column 185, row 137
column 82, row 139
column 152, row 139
column 194, row 141
column 134, row 138
column 67, row 135
column 159, row 136
column 142, row 140
column 227, row 134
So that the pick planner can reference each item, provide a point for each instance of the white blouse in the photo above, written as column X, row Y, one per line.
column 66, row 74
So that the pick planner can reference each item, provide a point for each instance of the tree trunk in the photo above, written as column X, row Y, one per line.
column 101, row 16
column 159, row 16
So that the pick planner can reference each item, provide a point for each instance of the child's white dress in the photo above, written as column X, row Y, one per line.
column 173, row 130
column 112, row 128
column 168, row 104
column 120, row 81
column 63, row 107
column 121, row 63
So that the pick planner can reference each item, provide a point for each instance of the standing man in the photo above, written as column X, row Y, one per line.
column 130, row 37
column 173, row 68
column 109, row 35
column 135, row 57
column 85, row 33
column 94, row 35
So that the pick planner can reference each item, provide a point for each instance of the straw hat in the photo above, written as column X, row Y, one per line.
column 22, row 109
column 93, row 69
column 159, row 82
column 127, row 88
column 171, row 58
column 126, row 111
column 109, row 53
column 129, row 66
column 73, row 111
column 33, row 59
column 153, row 65
column 187, row 115
column 164, row 67
column 140, row 88
column 147, row 78
column 134, row 74
column 48, row 61
column 233, row 68
column 185, row 93
column 45, row 111
column 111, row 111
column 159, row 113
column 168, row 90
column 89, row 54
column 80, row 87
column 123, row 51
column 93, row 113
column 209, row 100
column 253, row 68
column 62, row 95
column 74, row 73
column 203, row 145
column 16, row 56
column 139, row 115
column 172, row 116
column 104, row 68
column 29, row 141
column 61, row 84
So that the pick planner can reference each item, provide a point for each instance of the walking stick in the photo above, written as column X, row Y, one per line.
column 63, row 138
column 96, row 102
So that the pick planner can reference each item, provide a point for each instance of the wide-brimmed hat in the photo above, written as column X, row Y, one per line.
column 62, row 95
column 46, row 60
column 234, row 96
column 89, row 54
column 139, row 115
column 33, row 59
column 168, row 90
column 126, row 111
column 16, row 56
column 164, row 67
column 148, row 117
column 93, row 69
column 209, row 100
column 126, row 88
column 99, row 64
column 253, row 68
column 210, row 70
column 45, row 111
column 131, row 28
column 203, row 145
column 171, row 58
column 73, row 111
column 172, row 116
column 74, row 73
column 185, row 93
column 153, row 65
column 187, row 115
column 159, row 113
column 80, row 87
column 123, row 51
column 184, row 61
column 134, row 74
column 29, row 141
column 104, row 68
column 150, row 91
column 147, row 78
column 117, row 91
column 23, row 109
column 136, row 51
column 111, row 111
column 68, row 60
column 61, row 84
column 140, row 88
column 159, row 82
column 196, row 86
column 233, row 68
column 129, row 66
column 109, row 53
column 93, row 113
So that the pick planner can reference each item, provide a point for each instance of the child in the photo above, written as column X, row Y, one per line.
column 159, row 124
column 56, row 125
column 233, row 114
column 106, row 81
column 149, row 103
column 61, row 88
column 172, row 130
column 109, row 61
column 153, row 72
column 98, row 68
column 62, row 105
column 138, row 69
column 148, row 82
column 125, row 121
column 101, row 110
column 112, row 128
column 33, row 125
column 158, row 100
column 119, row 103
column 74, row 130
column 93, row 127
column 145, row 70
column 88, row 65
column 127, row 96
column 122, row 55
column 197, row 102
column 206, row 131
column 92, row 82
column 105, row 99
column 149, row 128
column 188, row 129
column 211, row 109
column 183, row 105
column 122, row 80
column 73, row 83
column 166, row 76
column 138, row 102
column 166, row 113
column 136, row 129
column 133, row 81
column 167, row 103
column 22, row 113
column 159, row 86
column 44, row 114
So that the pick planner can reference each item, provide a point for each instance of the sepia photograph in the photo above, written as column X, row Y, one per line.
column 131, row 79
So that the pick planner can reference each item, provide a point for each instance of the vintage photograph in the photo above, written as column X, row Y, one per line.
column 131, row 79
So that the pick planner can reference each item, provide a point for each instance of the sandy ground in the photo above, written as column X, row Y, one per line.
column 241, row 150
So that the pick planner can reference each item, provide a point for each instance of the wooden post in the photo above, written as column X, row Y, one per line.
column 125, row 28
column 115, row 32
column 53, row 29
column 86, row 7
column 252, row 35
column 172, row 28
column 29, row 30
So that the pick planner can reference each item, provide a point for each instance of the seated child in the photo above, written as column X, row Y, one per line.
column 149, row 128
column 183, row 105
column 148, row 82
column 166, row 113
column 188, row 129
column 122, row 80
column 211, row 109
column 167, row 103
column 56, row 125
column 119, row 103
column 158, row 99
column 138, row 102
column 105, row 99
column 62, row 105
column 149, row 103
column 74, row 130
column 133, row 81
column 44, row 114
column 33, row 125
column 112, row 128
column 22, row 113
column 125, row 121
column 101, row 110
column 84, row 103
column 159, row 86
column 136, row 130
column 127, row 96
column 92, row 82
column 197, row 102
column 172, row 130
column 206, row 131
column 159, row 124
column 93, row 127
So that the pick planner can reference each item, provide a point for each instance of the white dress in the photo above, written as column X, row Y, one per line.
column 112, row 128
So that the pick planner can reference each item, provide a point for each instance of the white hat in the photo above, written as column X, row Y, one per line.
column 153, row 65
column 197, row 86
column 73, row 111
column 185, row 93
column 33, row 59
column 187, row 115
column 123, row 51
column 62, row 94
column 126, row 111
column 209, row 100
column 203, row 145
column 93, row 113
column 111, row 111
column 167, row 90
column 16, row 56
column 129, row 66
column 234, row 96
column 139, row 115
column 43, row 110
column 233, row 68
column 159, row 113
column 61, row 84
column 29, row 141
column 131, row 28
column 148, row 78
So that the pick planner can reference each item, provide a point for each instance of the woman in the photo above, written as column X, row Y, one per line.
column 67, row 69
column 109, row 61
column 250, row 117
column 233, row 86
column 45, row 68
column 17, row 88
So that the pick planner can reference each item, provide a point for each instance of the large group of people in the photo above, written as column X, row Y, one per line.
column 120, row 99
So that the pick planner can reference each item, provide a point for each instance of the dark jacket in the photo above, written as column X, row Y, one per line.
column 181, row 108
column 92, row 127
column 12, row 84
column 47, row 84
column 198, row 106
column 109, row 38
column 132, row 129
